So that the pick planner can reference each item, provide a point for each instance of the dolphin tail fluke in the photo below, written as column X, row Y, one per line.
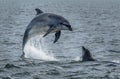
column 23, row 54
column 49, row 30
column 86, row 55
column 57, row 36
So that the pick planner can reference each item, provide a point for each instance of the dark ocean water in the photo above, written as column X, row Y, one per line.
column 96, row 25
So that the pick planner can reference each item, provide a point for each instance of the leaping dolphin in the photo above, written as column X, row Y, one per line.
column 45, row 23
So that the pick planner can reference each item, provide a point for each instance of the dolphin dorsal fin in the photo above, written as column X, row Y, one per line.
column 38, row 11
column 86, row 55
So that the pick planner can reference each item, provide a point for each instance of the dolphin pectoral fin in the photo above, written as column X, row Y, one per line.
column 57, row 36
column 48, row 31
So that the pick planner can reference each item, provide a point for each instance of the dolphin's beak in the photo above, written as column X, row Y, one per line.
column 68, row 26
column 70, row 29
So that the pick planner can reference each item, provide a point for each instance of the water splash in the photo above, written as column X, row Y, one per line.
column 77, row 58
column 36, row 48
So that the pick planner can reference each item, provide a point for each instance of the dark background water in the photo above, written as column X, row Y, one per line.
column 96, row 25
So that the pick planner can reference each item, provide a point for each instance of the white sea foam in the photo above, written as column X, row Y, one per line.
column 36, row 48
column 77, row 58
column 116, row 61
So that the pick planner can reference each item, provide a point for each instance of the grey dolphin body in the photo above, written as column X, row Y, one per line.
column 45, row 23
column 86, row 55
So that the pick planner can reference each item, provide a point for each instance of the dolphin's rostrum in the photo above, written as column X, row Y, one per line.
column 45, row 23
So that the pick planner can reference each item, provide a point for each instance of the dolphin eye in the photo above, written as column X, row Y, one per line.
column 61, row 23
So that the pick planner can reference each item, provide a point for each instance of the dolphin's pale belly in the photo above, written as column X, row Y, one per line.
column 38, row 31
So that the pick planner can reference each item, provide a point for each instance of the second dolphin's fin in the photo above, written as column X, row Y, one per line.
column 86, row 55
column 57, row 36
